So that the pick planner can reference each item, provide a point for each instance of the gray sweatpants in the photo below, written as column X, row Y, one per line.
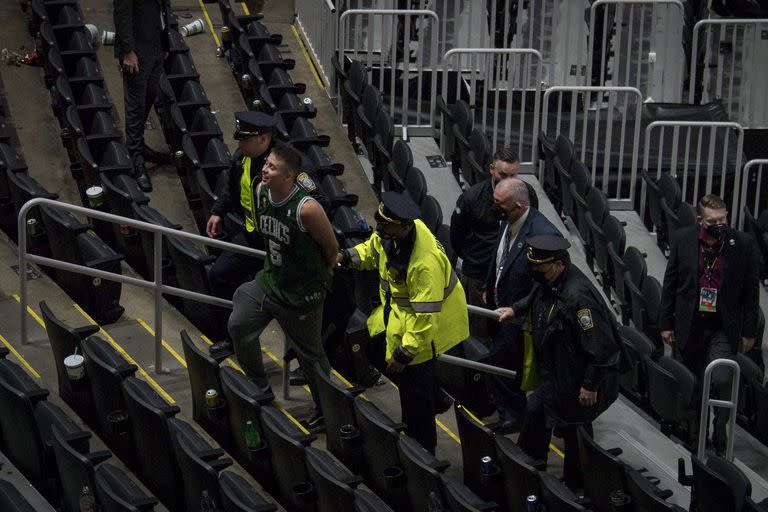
column 252, row 311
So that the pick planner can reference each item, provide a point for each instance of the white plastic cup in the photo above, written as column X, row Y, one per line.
column 75, row 365
column 93, row 33
column 107, row 38
column 95, row 196
column 193, row 28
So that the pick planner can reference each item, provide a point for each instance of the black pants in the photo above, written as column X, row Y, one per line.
column 536, row 434
column 231, row 269
column 507, row 352
column 139, row 91
column 705, row 344
column 418, row 390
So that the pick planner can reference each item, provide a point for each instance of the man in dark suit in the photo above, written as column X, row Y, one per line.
column 710, row 302
column 141, row 46
column 508, row 281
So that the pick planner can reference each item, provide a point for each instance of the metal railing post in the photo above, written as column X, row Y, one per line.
column 21, row 223
column 731, row 404
column 158, row 270
column 761, row 165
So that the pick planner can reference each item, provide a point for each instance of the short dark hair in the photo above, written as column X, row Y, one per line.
column 507, row 155
column 289, row 156
column 711, row 201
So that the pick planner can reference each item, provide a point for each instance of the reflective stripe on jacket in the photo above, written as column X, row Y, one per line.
column 428, row 308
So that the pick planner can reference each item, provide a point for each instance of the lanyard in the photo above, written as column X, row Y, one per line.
column 708, row 267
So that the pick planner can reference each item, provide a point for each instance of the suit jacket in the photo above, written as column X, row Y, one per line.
column 141, row 26
column 515, row 281
column 737, row 298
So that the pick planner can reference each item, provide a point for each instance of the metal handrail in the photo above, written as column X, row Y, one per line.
column 761, row 164
column 731, row 404
column 157, row 284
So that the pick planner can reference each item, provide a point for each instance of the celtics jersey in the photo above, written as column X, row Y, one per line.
column 295, row 273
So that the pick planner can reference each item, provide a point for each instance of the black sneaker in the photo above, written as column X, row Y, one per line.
column 142, row 178
column 315, row 423
column 297, row 378
column 221, row 350
column 156, row 157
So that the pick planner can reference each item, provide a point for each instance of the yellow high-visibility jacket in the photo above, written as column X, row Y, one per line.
column 428, row 308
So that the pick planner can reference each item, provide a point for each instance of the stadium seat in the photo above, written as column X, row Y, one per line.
column 342, row 435
column 652, row 309
column 22, row 187
column 636, row 347
column 415, row 185
column 383, row 140
column 579, row 190
column 619, row 268
column 146, row 213
column 556, row 497
column 654, row 215
column 635, row 274
column 304, row 135
column 369, row 502
column 602, row 472
column 334, row 486
column 286, row 452
column 750, row 378
column 365, row 118
column 644, row 496
column 467, row 386
column 76, row 470
column 752, row 226
column 595, row 217
column 244, row 400
column 547, row 155
column 117, row 492
column 421, row 473
column 719, row 485
column 520, row 473
column 477, row 158
column 669, row 191
column 684, row 216
column 237, row 495
column 380, row 434
column 462, row 127
column 478, row 441
column 459, row 498
column 180, row 68
column 203, row 373
column 351, row 95
column 106, row 369
column 11, row 499
column 443, row 236
column 120, row 193
column 447, row 142
column 431, row 213
column 671, row 387
column 562, row 162
column 65, row 341
column 615, row 237
column 397, row 169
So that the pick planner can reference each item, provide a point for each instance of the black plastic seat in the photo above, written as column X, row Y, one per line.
column 380, row 452
column 203, row 373
column 64, row 342
column 244, row 400
column 462, row 127
column 603, row 473
column 579, row 191
column 615, row 240
column 669, row 191
column 420, row 473
column 477, row 441
column 351, row 94
column 200, row 476
column 237, row 495
column 145, row 213
column 22, row 187
column 466, row 386
column 304, row 135
column 121, row 191
column 562, row 162
column 760, row 237
column 459, row 498
column 618, row 269
column 102, row 156
column 636, row 347
column 117, row 492
column 342, row 436
column 635, row 273
column 383, row 140
column 520, row 473
column 369, row 502
column 684, row 216
column 671, row 387
column 149, row 414
column 750, row 377
column 547, row 155
column 286, row 452
column 556, row 497
column 595, row 217
column 106, row 369
column 719, row 485
column 397, row 169
column 443, row 236
column 365, row 116
column 334, row 486
column 11, row 499
column 431, row 213
column 76, row 470
column 643, row 494
column 477, row 158
column 415, row 185
column 651, row 310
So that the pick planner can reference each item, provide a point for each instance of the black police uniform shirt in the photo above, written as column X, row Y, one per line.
column 576, row 343
column 474, row 229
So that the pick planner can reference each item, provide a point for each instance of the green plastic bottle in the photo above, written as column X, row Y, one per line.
column 252, row 436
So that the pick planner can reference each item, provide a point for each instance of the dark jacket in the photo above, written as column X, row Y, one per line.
column 474, row 227
column 577, row 340
column 515, row 280
column 141, row 26
column 737, row 298
column 228, row 183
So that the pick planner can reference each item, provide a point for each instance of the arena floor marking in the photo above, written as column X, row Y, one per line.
column 166, row 345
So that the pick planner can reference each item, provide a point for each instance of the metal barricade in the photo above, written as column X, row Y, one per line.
column 504, row 88
column 319, row 24
column 753, row 190
column 604, row 125
column 731, row 404
column 707, row 158
column 728, row 64
column 157, row 285
column 402, row 68
column 637, row 43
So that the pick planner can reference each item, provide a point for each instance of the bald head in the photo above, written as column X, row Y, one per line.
column 511, row 195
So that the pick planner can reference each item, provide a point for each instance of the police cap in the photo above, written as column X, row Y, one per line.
column 546, row 248
column 396, row 208
column 250, row 123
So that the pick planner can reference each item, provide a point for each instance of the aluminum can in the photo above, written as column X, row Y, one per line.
column 486, row 465
column 308, row 101
column 532, row 503
column 33, row 227
column 211, row 398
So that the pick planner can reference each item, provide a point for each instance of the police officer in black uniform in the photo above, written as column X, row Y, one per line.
column 577, row 347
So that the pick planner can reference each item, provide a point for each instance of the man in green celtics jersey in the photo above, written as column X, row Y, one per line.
column 301, row 251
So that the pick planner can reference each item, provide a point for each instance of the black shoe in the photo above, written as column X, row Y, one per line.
column 221, row 350
column 156, row 157
column 372, row 378
column 142, row 178
column 315, row 423
column 297, row 378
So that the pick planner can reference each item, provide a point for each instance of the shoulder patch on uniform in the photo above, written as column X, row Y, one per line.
column 585, row 319
column 306, row 182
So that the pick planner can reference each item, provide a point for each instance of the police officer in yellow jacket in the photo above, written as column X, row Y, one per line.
column 423, row 310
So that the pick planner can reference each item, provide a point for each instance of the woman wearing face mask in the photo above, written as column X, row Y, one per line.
column 709, row 303
column 576, row 340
